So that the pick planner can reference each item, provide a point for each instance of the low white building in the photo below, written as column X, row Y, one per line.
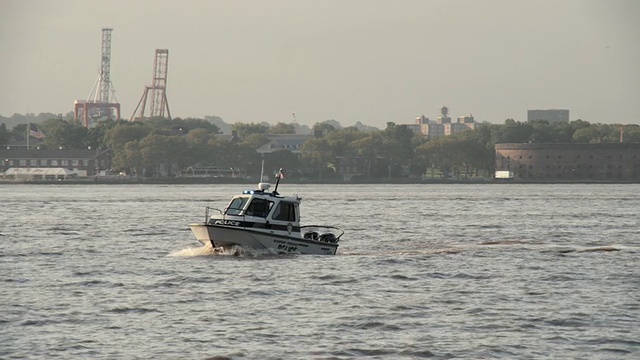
column 41, row 174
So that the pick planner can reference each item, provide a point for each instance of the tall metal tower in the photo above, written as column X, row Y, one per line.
column 105, row 71
column 98, row 102
column 158, row 88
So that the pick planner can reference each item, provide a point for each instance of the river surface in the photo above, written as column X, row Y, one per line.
column 423, row 271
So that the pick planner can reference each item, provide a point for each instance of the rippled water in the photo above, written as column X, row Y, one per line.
column 423, row 271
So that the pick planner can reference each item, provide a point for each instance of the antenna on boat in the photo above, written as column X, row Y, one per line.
column 279, row 176
column 262, row 185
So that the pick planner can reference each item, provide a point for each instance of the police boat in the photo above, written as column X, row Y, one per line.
column 266, row 222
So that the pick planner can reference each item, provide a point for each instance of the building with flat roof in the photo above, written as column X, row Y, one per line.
column 549, row 115
column 570, row 162
column 443, row 126
column 35, row 163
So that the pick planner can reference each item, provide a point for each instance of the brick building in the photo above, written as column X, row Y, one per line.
column 570, row 162
column 441, row 127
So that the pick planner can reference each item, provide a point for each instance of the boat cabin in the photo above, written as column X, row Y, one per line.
column 264, row 206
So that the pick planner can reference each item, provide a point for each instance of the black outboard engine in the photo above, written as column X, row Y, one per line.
column 328, row 237
column 312, row 235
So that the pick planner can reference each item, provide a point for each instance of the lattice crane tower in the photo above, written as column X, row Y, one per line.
column 100, row 105
column 158, row 88
column 105, row 70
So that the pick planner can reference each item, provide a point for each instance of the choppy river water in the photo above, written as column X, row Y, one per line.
column 423, row 271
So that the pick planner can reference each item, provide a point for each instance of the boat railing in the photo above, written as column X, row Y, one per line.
column 206, row 213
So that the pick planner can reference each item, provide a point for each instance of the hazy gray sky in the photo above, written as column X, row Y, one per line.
column 372, row 61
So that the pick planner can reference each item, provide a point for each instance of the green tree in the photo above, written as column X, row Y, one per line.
column 129, row 159
column 591, row 134
column 511, row 132
column 222, row 153
column 340, row 141
column 631, row 134
column 474, row 153
column 178, row 125
column 328, row 124
column 282, row 128
column 317, row 153
column 124, row 132
column 199, row 136
column 193, row 123
column 610, row 132
column 397, row 146
column 246, row 157
column 198, row 149
column 284, row 159
column 368, row 149
column 244, row 130
column 254, row 141
column 437, row 154
column 461, row 155
column 163, row 154
column 5, row 135
column 157, row 123
column 541, row 132
column 62, row 134
column 18, row 132
column 324, row 127
column 96, row 136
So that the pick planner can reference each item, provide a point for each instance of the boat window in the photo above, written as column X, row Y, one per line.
column 259, row 207
column 236, row 206
column 285, row 211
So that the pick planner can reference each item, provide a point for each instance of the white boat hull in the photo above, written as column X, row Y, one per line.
column 220, row 236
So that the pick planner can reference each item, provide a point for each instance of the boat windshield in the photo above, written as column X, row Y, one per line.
column 236, row 206
column 259, row 207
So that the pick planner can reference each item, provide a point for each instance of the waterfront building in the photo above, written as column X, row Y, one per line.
column 42, row 164
column 570, row 162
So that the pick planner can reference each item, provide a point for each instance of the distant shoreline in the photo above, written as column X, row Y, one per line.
column 231, row 181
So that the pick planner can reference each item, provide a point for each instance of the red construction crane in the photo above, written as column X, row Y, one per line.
column 158, row 89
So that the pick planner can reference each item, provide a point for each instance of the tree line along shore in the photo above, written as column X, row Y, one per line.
column 160, row 148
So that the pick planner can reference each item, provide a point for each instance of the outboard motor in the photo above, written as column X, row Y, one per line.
column 328, row 237
column 312, row 235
